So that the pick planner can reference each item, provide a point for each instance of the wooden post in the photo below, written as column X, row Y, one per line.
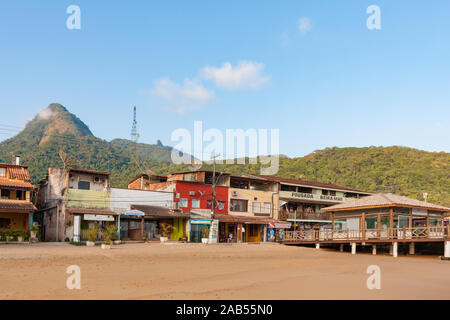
column 411, row 248
column 363, row 222
column 391, row 222
column 379, row 226
column 142, row 227
column 428, row 225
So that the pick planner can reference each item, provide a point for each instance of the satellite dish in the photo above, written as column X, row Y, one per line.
column 196, row 166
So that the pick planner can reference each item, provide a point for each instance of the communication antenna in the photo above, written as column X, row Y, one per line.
column 134, row 160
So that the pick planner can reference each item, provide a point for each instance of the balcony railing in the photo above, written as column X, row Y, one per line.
column 389, row 234
column 305, row 216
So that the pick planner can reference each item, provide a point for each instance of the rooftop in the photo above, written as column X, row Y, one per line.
column 384, row 200
column 308, row 183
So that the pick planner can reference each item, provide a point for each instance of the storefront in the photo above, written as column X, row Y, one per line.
column 275, row 230
column 147, row 225
column 79, row 228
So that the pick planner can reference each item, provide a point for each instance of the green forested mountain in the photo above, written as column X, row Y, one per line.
column 395, row 169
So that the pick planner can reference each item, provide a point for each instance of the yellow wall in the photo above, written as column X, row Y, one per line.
column 250, row 195
column 18, row 220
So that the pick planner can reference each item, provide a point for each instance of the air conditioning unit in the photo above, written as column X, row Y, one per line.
column 234, row 193
column 192, row 193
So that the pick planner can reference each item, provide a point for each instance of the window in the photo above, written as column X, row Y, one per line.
column 19, row 195
column 285, row 187
column 84, row 185
column 332, row 193
column 325, row 192
column 195, row 203
column 2, row 172
column 183, row 203
column 221, row 205
column 5, row 223
column 238, row 205
column 209, row 204
column 266, row 208
column 256, row 207
column 5, row 194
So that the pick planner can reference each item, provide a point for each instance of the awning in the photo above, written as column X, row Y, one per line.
column 155, row 212
column 91, row 211
column 241, row 219
column 17, row 206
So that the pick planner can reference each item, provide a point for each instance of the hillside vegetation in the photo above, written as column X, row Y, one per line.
column 401, row 170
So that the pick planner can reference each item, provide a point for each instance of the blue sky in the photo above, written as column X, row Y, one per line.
column 310, row 68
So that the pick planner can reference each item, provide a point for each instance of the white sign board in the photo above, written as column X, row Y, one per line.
column 214, row 231
column 419, row 212
column 98, row 217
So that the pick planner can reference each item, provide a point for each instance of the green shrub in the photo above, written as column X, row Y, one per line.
column 92, row 233
column 205, row 232
column 108, row 232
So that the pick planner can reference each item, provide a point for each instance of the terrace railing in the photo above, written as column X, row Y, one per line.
column 390, row 234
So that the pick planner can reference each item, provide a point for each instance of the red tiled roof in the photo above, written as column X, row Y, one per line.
column 17, row 205
column 384, row 200
column 307, row 183
column 16, row 184
column 19, row 173
column 91, row 211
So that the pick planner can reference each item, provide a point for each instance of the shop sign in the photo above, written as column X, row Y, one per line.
column 280, row 225
column 98, row 217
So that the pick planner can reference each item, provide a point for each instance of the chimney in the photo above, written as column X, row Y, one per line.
column 17, row 160
column 425, row 196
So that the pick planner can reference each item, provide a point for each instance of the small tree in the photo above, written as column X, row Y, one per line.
column 205, row 232
column 108, row 233
column 166, row 229
column 92, row 233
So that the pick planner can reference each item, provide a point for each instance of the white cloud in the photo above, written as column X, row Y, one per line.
column 45, row 114
column 246, row 75
column 304, row 25
column 180, row 98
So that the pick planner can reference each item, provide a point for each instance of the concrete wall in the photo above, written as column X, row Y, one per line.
column 122, row 199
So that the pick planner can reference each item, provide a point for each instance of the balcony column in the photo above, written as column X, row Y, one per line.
column 395, row 249
column 374, row 250
column 317, row 245
column 412, row 248
column 353, row 248
column 447, row 249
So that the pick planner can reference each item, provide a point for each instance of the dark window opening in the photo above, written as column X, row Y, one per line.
column 84, row 185
column 304, row 190
column 239, row 184
column 285, row 187
column 5, row 223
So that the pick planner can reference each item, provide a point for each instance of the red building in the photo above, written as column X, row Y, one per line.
column 192, row 192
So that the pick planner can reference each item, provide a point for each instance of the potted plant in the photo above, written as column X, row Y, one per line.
column 34, row 231
column 205, row 234
column 166, row 230
column 107, row 234
column 115, row 237
column 21, row 235
column 10, row 234
column 92, row 236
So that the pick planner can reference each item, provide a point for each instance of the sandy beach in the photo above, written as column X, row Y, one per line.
column 195, row 271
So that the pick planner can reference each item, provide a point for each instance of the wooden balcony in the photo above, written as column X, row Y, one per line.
column 305, row 216
column 439, row 233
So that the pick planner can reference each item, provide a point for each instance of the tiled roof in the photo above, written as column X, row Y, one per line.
column 19, row 173
column 384, row 199
column 160, row 212
column 17, row 205
column 16, row 184
column 307, row 183
column 91, row 211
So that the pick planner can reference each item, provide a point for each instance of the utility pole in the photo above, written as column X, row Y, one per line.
column 214, row 187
